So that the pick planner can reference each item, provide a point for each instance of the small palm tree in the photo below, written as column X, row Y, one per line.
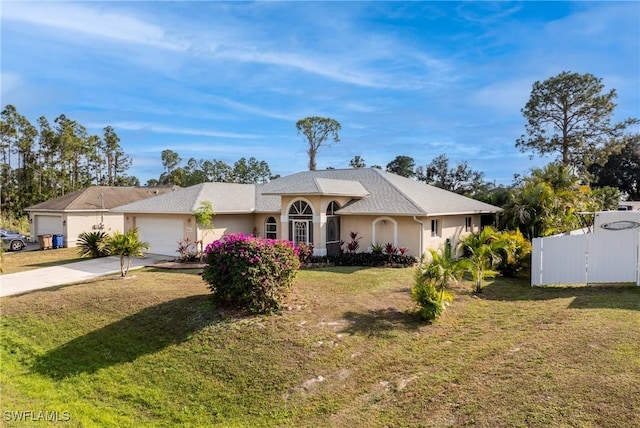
column 442, row 269
column 481, row 255
column 93, row 244
column 432, row 280
column 127, row 245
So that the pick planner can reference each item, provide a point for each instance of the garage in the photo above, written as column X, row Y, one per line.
column 162, row 234
column 47, row 225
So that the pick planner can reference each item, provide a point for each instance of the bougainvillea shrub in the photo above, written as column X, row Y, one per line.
column 250, row 273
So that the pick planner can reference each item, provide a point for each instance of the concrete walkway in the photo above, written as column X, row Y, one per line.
column 36, row 279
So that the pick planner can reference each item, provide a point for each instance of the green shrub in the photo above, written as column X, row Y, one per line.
column 250, row 273
column 431, row 302
column 372, row 260
column 377, row 248
column 93, row 244
column 516, row 253
column 432, row 279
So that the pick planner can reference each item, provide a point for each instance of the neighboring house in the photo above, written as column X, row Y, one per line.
column 315, row 207
column 85, row 211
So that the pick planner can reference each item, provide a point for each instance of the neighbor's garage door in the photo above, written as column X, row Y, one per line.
column 48, row 225
column 162, row 235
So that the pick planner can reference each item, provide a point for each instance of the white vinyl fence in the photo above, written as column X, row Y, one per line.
column 612, row 256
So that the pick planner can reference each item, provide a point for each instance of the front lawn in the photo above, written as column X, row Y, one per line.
column 153, row 351
column 19, row 261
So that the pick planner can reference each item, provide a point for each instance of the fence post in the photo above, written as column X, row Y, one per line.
column 638, row 259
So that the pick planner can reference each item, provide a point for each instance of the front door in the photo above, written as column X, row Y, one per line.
column 301, row 231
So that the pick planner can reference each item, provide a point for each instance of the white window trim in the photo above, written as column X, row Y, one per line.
column 437, row 233
column 267, row 224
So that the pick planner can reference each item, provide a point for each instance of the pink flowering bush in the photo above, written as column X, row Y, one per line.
column 249, row 272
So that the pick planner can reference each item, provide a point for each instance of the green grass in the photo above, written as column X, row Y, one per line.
column 154, row 351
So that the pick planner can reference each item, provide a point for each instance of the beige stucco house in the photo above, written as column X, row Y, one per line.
column 85, row 210
column 316, row 207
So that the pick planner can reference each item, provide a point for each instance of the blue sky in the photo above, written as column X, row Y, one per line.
column 216, row 80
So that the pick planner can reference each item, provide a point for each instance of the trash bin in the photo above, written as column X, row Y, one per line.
column 58, row 241
column 45, row 241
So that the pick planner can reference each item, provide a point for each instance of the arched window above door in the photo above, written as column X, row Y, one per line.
column 332, row 208
column 300, row 208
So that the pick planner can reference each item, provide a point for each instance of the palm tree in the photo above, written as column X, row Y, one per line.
column 127, row 245
column 93, row 244
column 482, row 254
column 442, row 269
column 432, row 280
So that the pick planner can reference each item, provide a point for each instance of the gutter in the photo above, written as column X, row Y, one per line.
column 421, row 235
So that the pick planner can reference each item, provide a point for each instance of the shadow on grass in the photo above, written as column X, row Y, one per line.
column 591, row 296
column 380, row 322
column 146, row 332
column 337, row 269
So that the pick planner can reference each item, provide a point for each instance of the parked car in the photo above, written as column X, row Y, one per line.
column 12, row 240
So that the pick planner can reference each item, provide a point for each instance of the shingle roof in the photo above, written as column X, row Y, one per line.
column 387, row 193
column 318, row 186
column 374, row 192
column 226, row 198
column 96, row 198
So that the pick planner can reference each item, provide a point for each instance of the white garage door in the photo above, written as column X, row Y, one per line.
column 161, row 234
column 48, row 225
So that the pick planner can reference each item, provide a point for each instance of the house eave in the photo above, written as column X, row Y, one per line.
column 184, row 212
column 51, row 210
column 381, row 213
column 434, row 214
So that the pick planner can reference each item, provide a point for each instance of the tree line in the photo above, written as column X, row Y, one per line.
column 48, row 160
column 245, row 171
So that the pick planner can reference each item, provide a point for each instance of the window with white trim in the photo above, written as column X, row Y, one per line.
column 271, row 228
column 468, row 224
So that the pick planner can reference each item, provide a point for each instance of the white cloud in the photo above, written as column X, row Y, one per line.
column 356, row 60
column 8, row 82
column 163, row 129
column 91, row 21
column 253, row 110
column 487, row 12
column 506, row 96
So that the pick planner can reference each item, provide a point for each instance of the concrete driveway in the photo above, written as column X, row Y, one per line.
column 23, row 282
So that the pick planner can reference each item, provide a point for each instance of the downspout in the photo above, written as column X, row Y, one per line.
column 421, row 234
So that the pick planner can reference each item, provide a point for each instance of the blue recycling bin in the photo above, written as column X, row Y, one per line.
column 58, row 241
